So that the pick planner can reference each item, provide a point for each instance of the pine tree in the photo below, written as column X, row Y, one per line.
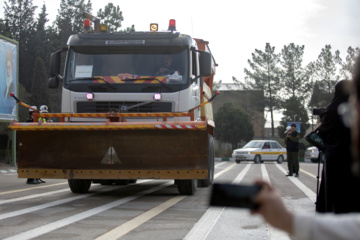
column 70, row 18
column 111, row 16
column 265, row 76
column 39, row 90
column 326, row 71
column 347, row 68
column 295, row 78
column 294, row 111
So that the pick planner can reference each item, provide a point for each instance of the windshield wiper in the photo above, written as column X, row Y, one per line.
column 93, row 78
column 152, row 78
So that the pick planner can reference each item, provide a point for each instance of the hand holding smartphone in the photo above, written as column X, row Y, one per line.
column 234, row 195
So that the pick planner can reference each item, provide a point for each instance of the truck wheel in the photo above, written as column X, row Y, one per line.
column 187, row 187
column 79, row 185
column 237, row 161
column 280, row 159
column 207, row 182
column 257, row 159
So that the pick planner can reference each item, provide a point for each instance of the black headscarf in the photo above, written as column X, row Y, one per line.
column 331, row 126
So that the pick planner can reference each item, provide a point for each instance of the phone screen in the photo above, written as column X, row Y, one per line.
column 234, row 195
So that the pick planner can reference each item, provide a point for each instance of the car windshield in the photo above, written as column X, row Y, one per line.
column 254, row 144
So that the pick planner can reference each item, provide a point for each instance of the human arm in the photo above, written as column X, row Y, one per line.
column 327, row 226
column 318, row 227
column 294, row 137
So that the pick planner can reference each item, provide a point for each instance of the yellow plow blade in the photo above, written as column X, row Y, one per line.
column 113, row 150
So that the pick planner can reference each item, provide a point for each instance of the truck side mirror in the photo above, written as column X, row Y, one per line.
column 55, row 64
column 53, row 82
column 205, row 63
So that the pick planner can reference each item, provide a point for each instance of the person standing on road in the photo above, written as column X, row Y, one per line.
column 338, row 189
column 31, row 119
column 292, row 149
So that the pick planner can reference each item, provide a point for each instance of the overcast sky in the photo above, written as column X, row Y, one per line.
column 236, row 28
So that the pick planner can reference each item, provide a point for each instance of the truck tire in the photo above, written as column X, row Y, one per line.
column 186, row 187
column 207, row 182
column 79, row 185
column 237, row 161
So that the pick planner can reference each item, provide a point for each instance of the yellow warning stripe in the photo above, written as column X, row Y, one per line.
column 105, row 115
column 269, row 153
column 102, row 126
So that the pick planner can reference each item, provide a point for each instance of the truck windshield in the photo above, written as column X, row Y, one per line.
column 121, row 68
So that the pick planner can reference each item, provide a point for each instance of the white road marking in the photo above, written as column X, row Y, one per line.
column 310, row 174
column 33, row 196
column 29, row 189
column 78, row 217
column 274, row 234
column 308, row 192
column 206, row 223
column 136, row 222
column 50, row 204
column 55, row 203
column 127, row 227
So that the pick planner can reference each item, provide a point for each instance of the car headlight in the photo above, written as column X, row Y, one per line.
column 234, row 152
column 312, row 150
column 249, row 153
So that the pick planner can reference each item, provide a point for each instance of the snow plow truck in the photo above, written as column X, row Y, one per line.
column 134, row 105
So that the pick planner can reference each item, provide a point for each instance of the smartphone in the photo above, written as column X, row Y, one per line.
column 234, row 195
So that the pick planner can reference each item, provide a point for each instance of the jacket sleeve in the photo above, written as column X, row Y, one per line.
column 295, row 139
column 326, row 226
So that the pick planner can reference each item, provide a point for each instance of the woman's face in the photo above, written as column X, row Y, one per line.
column 8, row 69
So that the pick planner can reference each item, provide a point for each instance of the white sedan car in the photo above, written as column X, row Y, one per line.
column 312, row 154
column 260, row 151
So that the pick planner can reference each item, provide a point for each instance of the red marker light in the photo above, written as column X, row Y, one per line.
column 11, row 94
column 87, row 24
column 172, row 25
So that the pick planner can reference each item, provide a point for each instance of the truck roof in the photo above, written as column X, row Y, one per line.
column 130, row 39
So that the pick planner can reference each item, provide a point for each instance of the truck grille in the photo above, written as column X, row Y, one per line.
column 103, row 107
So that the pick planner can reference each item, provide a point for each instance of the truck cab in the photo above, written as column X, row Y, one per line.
column 135, row 72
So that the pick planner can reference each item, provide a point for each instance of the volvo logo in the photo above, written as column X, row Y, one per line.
column 123, row 108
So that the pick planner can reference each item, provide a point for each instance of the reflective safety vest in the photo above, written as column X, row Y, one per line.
column 42, row 119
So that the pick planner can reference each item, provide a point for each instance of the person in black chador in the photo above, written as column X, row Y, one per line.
column 339, row 189
column 292, row 150
column 31, row 119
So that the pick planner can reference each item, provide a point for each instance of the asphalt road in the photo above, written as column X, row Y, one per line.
column 149, row 209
